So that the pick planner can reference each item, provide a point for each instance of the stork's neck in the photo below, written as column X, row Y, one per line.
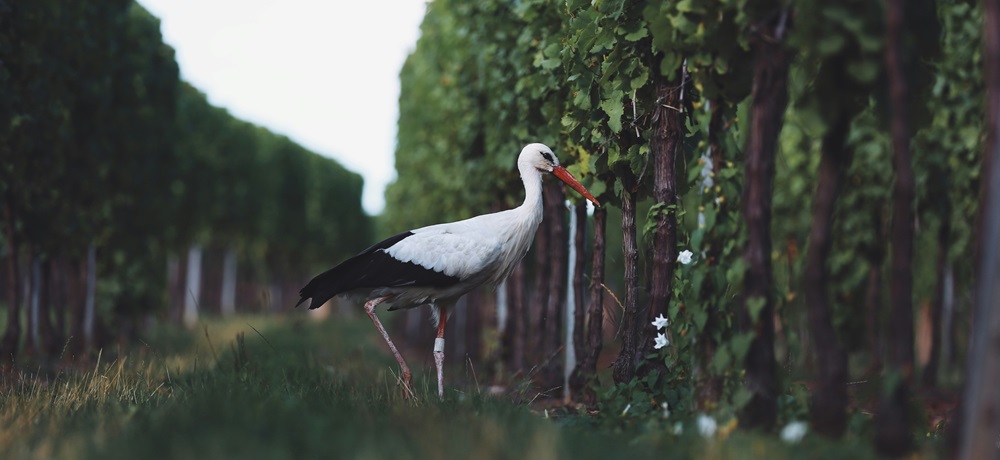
column 532, row 180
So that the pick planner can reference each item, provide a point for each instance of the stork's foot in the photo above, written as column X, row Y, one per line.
column 405, row 382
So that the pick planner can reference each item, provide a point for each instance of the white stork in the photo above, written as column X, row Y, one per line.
column 436, row 265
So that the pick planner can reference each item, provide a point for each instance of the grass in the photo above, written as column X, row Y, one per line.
column 287, row 387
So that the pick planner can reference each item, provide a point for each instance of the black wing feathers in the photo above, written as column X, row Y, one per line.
column 372, row 268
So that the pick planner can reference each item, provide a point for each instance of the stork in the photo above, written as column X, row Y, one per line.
column 436, row 265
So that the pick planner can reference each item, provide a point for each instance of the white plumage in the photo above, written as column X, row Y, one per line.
column 437, row 264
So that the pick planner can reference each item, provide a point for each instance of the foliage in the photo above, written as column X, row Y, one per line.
column 500, row 73
column 101, row 144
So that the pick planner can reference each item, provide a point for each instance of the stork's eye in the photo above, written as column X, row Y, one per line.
column 548, row 157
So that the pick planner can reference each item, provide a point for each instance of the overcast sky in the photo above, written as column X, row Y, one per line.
column 323, row 72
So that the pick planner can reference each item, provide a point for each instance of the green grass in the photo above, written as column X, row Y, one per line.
column 288, row 387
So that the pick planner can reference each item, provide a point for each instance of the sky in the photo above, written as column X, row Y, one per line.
column 323, row 72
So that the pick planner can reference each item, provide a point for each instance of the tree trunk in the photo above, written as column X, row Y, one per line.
column 54, row 301
column 586, row 368
column 710, row 390
column 668, row 130
column 456, row 345
column 981, row 418
column 275, row 288
column 552, row 332
column 948, row 317
column 477, row 323
column 624, row 366
column 192, row 287
column 12, row 335
column 175, row 294
column 769, row 98
column 873, row 295
column 574, row 295
column 892, row 434
column 59, row 300
column 227, row 301
column 503, row 310
column 829, row 399
column 536, row 307
column 930, row 371
column 89, row 306
column 517, row 328
column 34, row 278
column 78, row 299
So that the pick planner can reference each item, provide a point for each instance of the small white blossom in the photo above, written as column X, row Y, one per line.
column 661, row 341
column 666, row 409
column 660, row 322
column 793, row 432
column 685, row 257
column 706, row 425
column 678, row 428
column 706, row 170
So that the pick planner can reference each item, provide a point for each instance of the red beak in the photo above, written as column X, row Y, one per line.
column 571, row 181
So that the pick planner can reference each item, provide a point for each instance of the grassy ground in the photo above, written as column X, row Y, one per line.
column 291, row 388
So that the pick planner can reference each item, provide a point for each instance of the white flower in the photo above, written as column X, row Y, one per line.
column 666, row 409
column 661, row 341
column 660, row 322
column 706, row 170
column 685, row 257
column 678, row 428
column 793, row 432
column 706, row 425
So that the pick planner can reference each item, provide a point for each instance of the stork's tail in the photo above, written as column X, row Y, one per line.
column 322, row 288
column 355, row 272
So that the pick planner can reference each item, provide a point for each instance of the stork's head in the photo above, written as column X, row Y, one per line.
column 539, row 157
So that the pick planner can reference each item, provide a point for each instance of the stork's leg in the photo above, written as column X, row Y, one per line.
column 406, row 378
column 439, row 351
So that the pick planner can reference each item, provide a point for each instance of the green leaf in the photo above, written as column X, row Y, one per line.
column 865, row 71
column 737, row 268
column 582, row 100
column 831, row 44
column 640, row 80
column 597, row 187
column 741, row 345
column 637, row 34
column 615, row 109
column 569, row 122
column 754, row 306
column 614, row 155
column 710, row 213
column 619, row 188
column 720, row 361
column 742, row 397
column 549, row 64
column 670, row 63
column 696, row 238
column 553, row 50
column 700, row 317
column 605, row 40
